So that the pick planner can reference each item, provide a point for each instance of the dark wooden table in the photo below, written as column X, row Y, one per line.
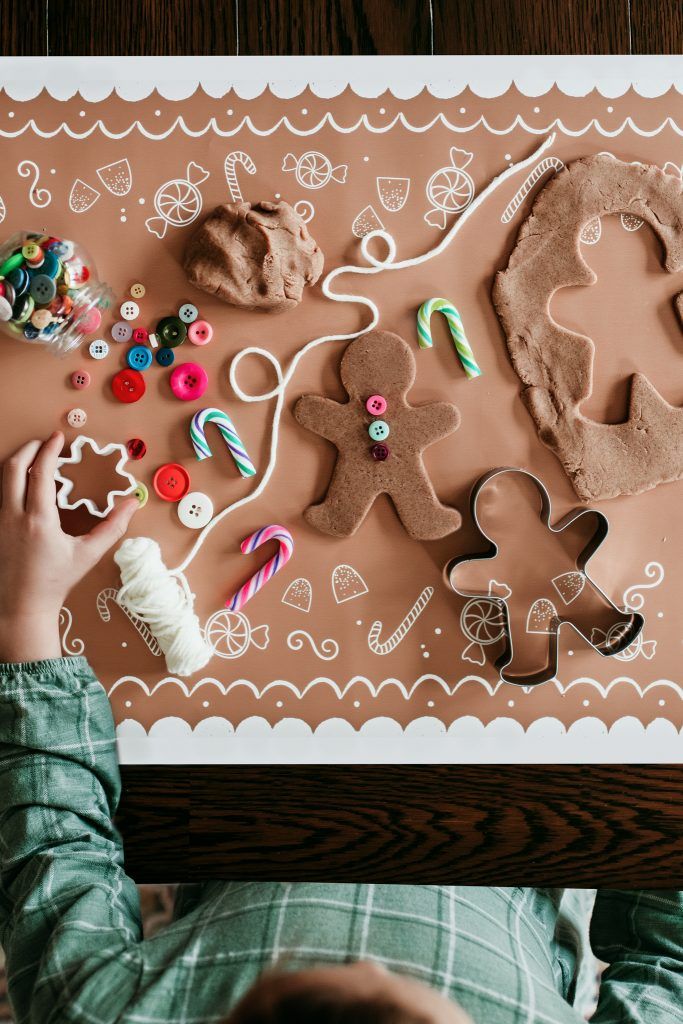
column 577, row 825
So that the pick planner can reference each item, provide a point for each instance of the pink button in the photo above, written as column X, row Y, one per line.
column 376, row 405
column 80, row 379
column 89, row 321
column 189, row 381
column 200, row 332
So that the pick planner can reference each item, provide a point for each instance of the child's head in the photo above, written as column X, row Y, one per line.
column 358, row 993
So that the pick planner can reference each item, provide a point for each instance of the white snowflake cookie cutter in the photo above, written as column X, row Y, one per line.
column 74, row 458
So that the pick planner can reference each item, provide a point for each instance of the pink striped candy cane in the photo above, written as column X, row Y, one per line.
column 273, row 565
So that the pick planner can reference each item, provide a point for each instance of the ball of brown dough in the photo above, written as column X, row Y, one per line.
column 255, row 257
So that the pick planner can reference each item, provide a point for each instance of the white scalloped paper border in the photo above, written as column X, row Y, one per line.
column 383, row 741
column 175, row 78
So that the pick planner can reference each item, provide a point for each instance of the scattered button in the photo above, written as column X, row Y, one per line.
column 40, row 318
column 142, row 495
column 98, row 349
column 139, row 357
column 195, row 510
column 376, row 405
column 128, row 385
column 137, row 290
column 171, row 331
column 165, row 356
column 140, row 336
column 129, row 310
column 43, row 289
column 136, row 448
column 189, row 381
column 188, row 313
column 200, row 332
column 89, row 321
column 121, row 331
column 380, row 452
column 379, row 430
column 171, row 481
column 76, row 418
column 80, row 379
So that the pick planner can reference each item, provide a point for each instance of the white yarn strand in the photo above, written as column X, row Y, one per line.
column 160, row 596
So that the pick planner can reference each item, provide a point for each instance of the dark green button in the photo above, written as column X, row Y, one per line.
column 171, row 331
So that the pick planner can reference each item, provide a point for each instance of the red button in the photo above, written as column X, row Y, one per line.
column 136, row 448
column 128, row 385
column 171, row 482
column 140, row 336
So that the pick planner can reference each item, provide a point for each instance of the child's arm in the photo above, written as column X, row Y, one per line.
column 640, row 935
column 68, row 912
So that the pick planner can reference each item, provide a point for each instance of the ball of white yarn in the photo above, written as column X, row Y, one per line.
column 164, row 602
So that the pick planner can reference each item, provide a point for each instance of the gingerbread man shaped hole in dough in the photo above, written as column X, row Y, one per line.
column 380, row 438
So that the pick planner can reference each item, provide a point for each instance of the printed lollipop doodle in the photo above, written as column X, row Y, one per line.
column 229, row 634
column 483, row 622
column 633, row 600
column 314, row 170
column 178, row 202
column 450, row 189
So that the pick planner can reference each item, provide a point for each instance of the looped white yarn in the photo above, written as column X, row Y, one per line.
column 160, row 610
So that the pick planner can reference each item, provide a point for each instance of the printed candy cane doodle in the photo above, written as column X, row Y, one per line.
column 231, row 161
column 111, row 594
column 227, row 429
column 549, row 163
column 266, row 572
column 394, row 640
column 462, row 345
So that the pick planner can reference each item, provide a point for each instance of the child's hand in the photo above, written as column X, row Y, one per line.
column 39, row 563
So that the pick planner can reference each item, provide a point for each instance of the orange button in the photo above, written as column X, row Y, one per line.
column 171, row 481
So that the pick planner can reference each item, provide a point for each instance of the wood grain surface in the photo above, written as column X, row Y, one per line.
column 503, row 825
column 62, row 28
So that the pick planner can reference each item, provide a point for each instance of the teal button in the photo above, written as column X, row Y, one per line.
column 378, row 430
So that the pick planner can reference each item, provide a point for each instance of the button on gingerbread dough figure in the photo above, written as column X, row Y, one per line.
column 379, row 365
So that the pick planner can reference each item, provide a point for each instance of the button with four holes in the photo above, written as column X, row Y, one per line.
column 200, row 332
column 137, row 290
column 139, row 357
column 379, row 430
column 43, row 289
column 376, row 405
column 128, row 386
column 129, row 310
column 98, row 348
column 121, row 332
column 380, row 452
column 76, row 418
column 188, row 313
column 140, row 335
column 189, row 381
column 195, row 510
column 171, row 331
column 80, row 379
column 171, row 481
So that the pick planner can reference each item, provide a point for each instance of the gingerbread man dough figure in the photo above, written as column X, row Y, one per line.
column 380, row 438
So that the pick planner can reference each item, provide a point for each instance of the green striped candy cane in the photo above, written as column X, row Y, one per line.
column 462, row 345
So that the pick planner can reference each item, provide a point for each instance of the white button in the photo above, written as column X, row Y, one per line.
column 195, row 510
column 121, row 332
column 5, row 309
column 98, row 349
column 76, row 418
column 129, row 310
column 138, row 291
column 188, row 313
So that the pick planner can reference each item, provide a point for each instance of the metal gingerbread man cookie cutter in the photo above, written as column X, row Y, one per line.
column 74, row 458
column 568, row 585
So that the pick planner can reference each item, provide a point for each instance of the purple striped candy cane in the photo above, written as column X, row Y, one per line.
column 273, row 565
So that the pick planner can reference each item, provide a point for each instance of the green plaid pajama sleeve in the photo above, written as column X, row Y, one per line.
column 70, row 920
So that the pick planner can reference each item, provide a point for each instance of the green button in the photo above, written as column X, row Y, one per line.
column 142, row 494
column 17, row 260
column 171, row 331
column 378, row 430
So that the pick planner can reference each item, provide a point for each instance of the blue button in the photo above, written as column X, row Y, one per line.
column 51, row 265
column 31, row 332
column 20, row 280
column 43, row 289
column 165, row 356
column 378, row 430
column 139, row 357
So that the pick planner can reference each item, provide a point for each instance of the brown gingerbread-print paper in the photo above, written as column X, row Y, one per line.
column 356, row 649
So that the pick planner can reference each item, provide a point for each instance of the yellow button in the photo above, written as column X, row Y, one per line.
column 142, row 494
column 137, row 291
